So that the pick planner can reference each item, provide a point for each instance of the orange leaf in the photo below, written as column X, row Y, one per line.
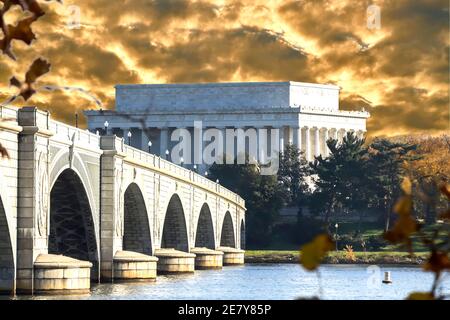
column 437, row 262
column 445, row 189
column 22, row 31
column 420, row 296
column 38, row 68
column 3, row 152
column 403, row 206
column 405, row 225
column 406, row 186
column 312, row 253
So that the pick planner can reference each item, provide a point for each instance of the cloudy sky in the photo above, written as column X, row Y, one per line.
column 400, row 72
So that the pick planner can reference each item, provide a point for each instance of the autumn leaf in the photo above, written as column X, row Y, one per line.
column 437, row 262
column 312, row 253
column 403, row 207
column 3, row 152
column 38, row 68
column 22, row 30
column 445, row 190
column 406, row 186
column 30, row 5
column 420, row 296
column 405, row 225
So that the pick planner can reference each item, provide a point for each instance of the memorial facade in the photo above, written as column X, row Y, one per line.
column 304, row 114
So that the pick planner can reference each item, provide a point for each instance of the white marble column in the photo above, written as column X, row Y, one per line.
column 341, row 135
column 298, row 138
column 316, row 141
column 290, row 135
column 164, row 142
column 281, row 129
column 308, row 143
column 334, row 134
column 262, row 144
column 325, row 146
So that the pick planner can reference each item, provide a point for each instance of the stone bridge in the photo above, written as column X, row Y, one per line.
column 77, row 207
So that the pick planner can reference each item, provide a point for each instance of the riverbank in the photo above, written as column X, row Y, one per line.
column 271, row 256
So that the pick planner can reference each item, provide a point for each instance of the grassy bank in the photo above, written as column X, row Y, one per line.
column 348, row 233
column 340, row 257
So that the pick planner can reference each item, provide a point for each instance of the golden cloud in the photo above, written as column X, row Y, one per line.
column 399, row 72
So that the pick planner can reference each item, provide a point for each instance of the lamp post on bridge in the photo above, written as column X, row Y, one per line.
column 195, row 168
column 149, row 146
column 106, row 125
column 167, row 154
column 129, row 137
column 181, row 161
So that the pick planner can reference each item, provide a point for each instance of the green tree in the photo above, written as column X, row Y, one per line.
column 292, row 174
column 386, row 171
column 263, row 196
column 340, row 179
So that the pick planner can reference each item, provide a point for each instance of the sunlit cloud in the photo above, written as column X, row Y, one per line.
column 400, row 72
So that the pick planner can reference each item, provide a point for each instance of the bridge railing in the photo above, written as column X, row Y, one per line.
column 158, row 162
column 65, row 131
column 8, row 113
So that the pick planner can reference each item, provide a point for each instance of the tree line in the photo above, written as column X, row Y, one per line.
column 356, row 178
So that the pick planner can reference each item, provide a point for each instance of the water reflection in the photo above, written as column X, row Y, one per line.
column 268, row 281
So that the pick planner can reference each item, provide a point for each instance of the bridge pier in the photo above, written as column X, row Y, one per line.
column 232, row 256
column 111, row 208
column 57, row 274
column 207, row 259
column 133, row 266
column 32, row 194
column 174, row 261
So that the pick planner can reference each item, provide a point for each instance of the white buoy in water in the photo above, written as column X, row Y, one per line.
column 387, row 277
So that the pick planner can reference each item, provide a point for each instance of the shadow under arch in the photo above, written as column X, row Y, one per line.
column 72, row 231
column 227, row 238
column 204, row 236
column 174, row 230
column 7, row 270
column 136, row 236
column 242, row 234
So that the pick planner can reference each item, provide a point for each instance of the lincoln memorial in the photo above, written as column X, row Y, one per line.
column 305, row 114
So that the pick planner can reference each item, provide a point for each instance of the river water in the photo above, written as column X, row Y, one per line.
column 271, row 281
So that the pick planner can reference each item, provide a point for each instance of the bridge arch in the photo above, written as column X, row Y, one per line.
column 136, row 236
column 175, row 233
column 227, row 237
column 242, row 234
column 72, row 231
column 7, row 269
column 205, row 229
